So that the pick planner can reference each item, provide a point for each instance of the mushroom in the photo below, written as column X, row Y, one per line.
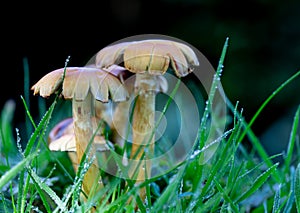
column 148, row 59
column 62, row 138
column 83, row 85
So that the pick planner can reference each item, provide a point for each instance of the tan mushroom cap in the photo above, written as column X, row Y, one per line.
column 62, row 137
column 152, row 55
column 79, row 81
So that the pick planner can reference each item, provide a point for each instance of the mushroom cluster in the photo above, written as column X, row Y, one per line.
column 91, row 88
column 84, row 86
column 149, row 61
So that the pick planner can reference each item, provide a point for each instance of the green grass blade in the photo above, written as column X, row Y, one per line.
column 8, row 148
column 263, row 154
column 40, row 129
column 42, row 186
column 71, row 192
column 104, row 195
column 4, row 207
column 297, row 187
column 284, row 84
column 256, row 143
column 220, row 163
column 82, row 169
column 276, row 203
column 13, row 172
column 169, row 193
column 43, row 198
column 28, row 126
column 261, row 151
column 224, row 159
column 29, row 204
column 292, row 140
column 50, row 110
column 121, row 202
column 28, row 111
column 20, row 194
column 245, row 175
column 233, row 174
column 290, row 201
column 259, row 181
column 7, row 142
column 23, row 192
column 226, row 197
column 213, row 88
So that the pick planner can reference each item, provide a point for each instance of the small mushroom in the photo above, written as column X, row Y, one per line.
column 62, row 138
column 148, row 59
column 83, row 85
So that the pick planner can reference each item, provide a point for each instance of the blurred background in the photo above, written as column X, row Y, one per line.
column 264, row 47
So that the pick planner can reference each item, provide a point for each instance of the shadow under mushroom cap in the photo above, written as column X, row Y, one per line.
column 79, row 81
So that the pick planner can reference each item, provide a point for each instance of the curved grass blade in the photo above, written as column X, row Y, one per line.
column 6, row 205
column 9, row 175
column 256, row 144
column 247, row 130
column 261, row 151
column 43, row 198
column 291, row 198
column 292, row 140
column 40, row 129
column 226, row 197
column 170, row 191
column 214, row 86
column 257, row 183
column 276, row 203
column 257, row 166
column 40, row 185
column 284, row 84
column 297, row 188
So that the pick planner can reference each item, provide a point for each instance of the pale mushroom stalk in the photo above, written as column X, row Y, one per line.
column 143, row 124
column 144, row 89
column 83, row 129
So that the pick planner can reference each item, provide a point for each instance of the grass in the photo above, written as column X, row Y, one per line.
column 34, row 179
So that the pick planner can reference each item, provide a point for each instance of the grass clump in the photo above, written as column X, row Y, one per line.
column 235, row 179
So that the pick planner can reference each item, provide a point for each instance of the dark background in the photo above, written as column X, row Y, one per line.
column 264, row 45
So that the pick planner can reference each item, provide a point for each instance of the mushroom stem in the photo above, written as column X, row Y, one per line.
column 143, row 126
column 83, row 129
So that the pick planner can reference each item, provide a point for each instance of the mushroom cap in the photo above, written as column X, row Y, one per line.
column 62, row 137
column 152, row 55
column 79, row 81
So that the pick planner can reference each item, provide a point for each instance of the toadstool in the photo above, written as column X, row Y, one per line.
column 83, row 85
column 148, row 59
column 62, row 138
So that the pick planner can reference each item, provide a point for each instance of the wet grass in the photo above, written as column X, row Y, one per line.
column 234, row 179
